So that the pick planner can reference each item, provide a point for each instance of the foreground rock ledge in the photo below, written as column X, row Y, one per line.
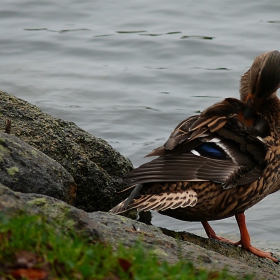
column 115, row 229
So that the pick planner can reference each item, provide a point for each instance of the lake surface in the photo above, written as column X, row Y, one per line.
column 130, row 71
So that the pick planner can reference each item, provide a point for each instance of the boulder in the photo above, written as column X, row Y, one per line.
column 26, row 169
column 96, row 167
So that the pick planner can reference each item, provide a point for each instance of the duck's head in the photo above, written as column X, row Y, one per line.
column 262, row 80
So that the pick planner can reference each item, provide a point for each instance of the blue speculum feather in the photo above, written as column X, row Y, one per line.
column 211, row 150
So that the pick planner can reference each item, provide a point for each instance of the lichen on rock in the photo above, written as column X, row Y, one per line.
column 23, row 170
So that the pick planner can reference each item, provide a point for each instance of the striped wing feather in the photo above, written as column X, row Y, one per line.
column 157, row 202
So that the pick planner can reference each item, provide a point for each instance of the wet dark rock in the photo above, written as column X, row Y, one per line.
column 25, row 169
column 109, row 228
column 95, row 166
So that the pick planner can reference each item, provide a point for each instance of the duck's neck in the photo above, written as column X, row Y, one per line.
column 270, row 109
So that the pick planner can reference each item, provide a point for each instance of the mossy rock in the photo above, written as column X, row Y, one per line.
column 96, row 167
column 25, row 169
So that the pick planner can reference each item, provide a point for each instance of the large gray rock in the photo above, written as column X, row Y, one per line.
column 25, row 169
column 95, row 166
column 204, row 253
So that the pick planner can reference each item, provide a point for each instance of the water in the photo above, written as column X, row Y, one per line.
column 128, row 72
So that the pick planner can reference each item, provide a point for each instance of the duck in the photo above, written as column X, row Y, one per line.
column 219, row 163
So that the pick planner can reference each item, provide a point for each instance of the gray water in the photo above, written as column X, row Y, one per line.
column 129, row 71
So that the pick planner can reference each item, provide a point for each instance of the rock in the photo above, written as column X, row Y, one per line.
column 25, row 169
column 95, row 166
column 114, row 229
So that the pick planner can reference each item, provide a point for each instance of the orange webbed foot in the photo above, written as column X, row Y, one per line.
column 212, row 234
column 260, row 253
column 244, row 241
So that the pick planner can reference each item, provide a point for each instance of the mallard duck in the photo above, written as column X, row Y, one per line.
column 219, row 163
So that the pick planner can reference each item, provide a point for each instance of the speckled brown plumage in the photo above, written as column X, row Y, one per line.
column 221, row 162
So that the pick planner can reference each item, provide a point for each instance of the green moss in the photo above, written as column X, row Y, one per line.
column 12, row 170
column 57, row 211
column 34, row 152
column 37, row 202
column 3, row 150
column 159, row 252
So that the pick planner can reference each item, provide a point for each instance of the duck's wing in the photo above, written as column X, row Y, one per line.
column 224, row 144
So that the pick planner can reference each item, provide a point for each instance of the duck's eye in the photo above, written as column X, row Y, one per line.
column 210, row 150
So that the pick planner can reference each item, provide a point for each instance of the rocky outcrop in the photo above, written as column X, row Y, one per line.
column 25, row 169
column 95, row 166
column 115, row 230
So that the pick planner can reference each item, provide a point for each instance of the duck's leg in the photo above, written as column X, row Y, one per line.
column 245, row 239
column 212, row 234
